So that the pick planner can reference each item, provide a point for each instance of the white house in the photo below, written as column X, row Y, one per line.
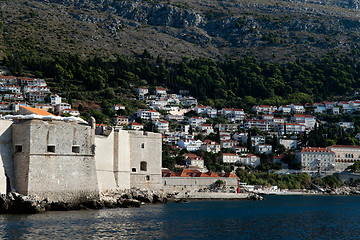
column 160, row 91
column 148, row 114
column 161, row 125
column 286, row 109
column 316, row 159
column 267, row 109
column 230, row 158
column 196, row 121
column 210, row 146
column 190, row 144
column 263, row 148
column 72, row 112
column 206, row 128
column 136, row 126
column 297, row 108
column 117, row 107
column 251, row 160
column 55, row 99
column 194, row 160
column 307, row 120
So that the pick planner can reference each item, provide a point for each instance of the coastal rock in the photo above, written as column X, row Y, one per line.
column 128, row 203
column 254, row 196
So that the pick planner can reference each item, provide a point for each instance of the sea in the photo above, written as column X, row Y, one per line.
column 278, row 217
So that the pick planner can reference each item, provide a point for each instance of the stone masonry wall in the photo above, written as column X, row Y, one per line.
column 56, row 160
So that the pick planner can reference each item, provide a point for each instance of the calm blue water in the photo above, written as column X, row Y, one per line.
column 279, row 217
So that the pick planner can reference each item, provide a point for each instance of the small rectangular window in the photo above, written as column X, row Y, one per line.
column 51, row 148
column 18, row 148
column 75, row 149
column 147, row 178
column 133, row 169
column 142, row 145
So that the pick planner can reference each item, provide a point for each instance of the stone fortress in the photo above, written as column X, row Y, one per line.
column 66, row 161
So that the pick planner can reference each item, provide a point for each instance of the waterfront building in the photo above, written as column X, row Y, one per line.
column 345, row 155
column 316, row 159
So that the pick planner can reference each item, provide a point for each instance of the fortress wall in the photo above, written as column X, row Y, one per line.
column 104, row 158
column 123, row 156
column 196, row 183
column 145, row 147
column 6, row 162
column 56, row 161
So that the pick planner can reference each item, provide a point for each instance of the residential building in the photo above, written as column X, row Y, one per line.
column 206, row 128
column 196, row 121
column 251, row 160
column 136, row 126
column 62, row 106
column 291, row 128
column 263, row 148
column 285, row 109
column 161, row 125
column 260, row 124
column 147, row 114
column 307, row 120
column 210, row 146
column 230, row 158
column 124, row 121
column 142, row 91
column 190, row 144
column 289, row 143
column 316, row 159
column 228, row 143
column 345, row 155
column 194, row 160
column 264, row 109
column 55, row 99
column 72, row 112
column 346, row 125
column 117, row 107
column 160, row 91
column 239, row 149
column 297, row 108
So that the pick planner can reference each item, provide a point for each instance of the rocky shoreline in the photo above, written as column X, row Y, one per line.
column 15, row 203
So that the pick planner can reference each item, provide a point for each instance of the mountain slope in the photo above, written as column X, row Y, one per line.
column 269, row 30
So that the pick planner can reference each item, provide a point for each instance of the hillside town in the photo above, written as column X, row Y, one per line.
column 265, row 134
column 200, row 140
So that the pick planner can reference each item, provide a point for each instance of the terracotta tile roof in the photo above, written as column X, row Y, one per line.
column 37, row 111
column 316, row 149
column 343, row 146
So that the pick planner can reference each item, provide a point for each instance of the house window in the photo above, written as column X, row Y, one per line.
column 133, row 169
column 142, row 145
column 75, row 149
column 18, row 148
column 51, row 148
column 147, row 177
column 143, row 166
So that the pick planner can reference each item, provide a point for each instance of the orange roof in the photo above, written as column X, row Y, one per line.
column 344, row 146
column 37, row 111
column 315, row 149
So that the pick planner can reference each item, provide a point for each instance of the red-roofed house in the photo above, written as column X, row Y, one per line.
column 194, row 160
column 345, row 155
column 210, row 146
column 316, row 159
column 136, row 126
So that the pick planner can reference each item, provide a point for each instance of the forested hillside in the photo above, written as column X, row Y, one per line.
column 239, row 82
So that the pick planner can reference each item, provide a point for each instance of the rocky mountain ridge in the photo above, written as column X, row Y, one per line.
column 272, row 30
